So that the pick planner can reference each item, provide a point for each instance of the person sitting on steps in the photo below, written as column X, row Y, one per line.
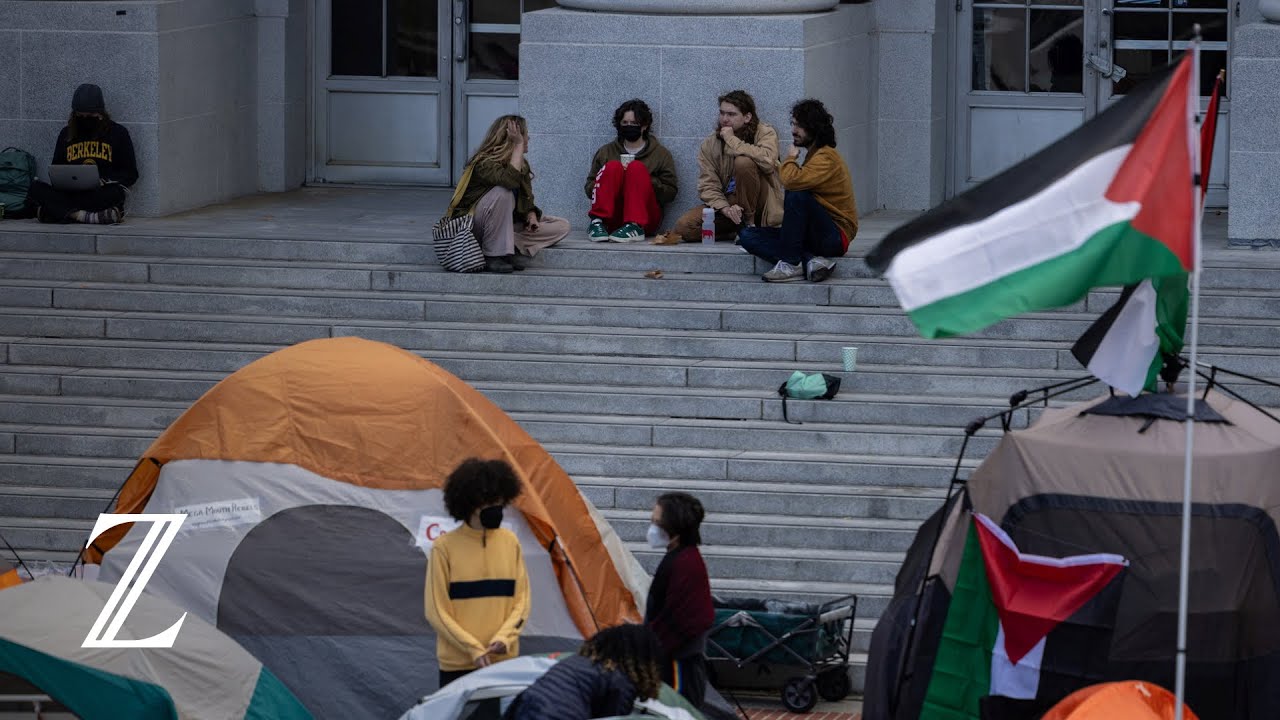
column 631, row 179
column 737, row 173
column 821, row 215
column 508, row 223
column 90, row 137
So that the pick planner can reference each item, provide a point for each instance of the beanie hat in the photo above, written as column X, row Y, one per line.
column 88, row 98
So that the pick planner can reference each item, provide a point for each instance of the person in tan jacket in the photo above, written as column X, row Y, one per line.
column 821, row 213
column 737, row 173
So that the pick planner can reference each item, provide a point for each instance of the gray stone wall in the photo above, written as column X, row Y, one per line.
column 209, row 119
column 1255, row 134
column 576, row 67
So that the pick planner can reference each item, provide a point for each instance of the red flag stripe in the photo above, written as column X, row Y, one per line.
column 1208, row 134
column 1032, row 594
column 1158, row 169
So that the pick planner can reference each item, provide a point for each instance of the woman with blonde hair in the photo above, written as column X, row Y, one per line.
column 508, row 224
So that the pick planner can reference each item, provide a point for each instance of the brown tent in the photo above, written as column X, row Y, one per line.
column 1106, row 477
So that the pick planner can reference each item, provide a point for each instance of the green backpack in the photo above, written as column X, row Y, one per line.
column 17, row 170
column 818, row 386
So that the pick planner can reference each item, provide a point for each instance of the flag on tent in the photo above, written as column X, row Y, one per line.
column 1132, row 341
column 1004, row 606
column 1107, row 205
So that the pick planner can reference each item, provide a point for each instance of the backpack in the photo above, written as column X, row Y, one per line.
column 818, row 386
column 17, row 170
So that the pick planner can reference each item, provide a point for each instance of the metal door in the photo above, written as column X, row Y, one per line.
column 1021, row 81
column 1140, row 36
column 382, row 93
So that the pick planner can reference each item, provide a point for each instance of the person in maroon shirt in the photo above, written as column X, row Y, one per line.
column 679, row 609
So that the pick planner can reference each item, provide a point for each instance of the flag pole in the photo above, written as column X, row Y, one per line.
column 1184, row 569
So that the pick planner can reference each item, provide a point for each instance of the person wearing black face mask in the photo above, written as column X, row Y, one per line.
column 631, row 178
column 477, row 590
column 89, row 138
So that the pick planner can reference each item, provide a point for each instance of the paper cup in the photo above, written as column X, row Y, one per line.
column 627, row 158
column 850, row 357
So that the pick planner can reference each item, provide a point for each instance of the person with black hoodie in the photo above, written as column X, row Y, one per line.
column 679, row 608
column 90, row 137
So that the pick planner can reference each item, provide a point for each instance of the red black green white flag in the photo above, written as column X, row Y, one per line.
column 1110, row 204
column 1004, row 607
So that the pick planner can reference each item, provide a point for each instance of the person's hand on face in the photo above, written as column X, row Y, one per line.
column 793, row 152
column 726, row 132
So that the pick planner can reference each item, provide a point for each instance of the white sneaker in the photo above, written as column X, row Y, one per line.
column 784, row 272
column 819, row 268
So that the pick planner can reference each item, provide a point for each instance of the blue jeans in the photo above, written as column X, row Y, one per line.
column 807, row 231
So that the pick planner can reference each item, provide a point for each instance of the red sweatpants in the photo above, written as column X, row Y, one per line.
column 625, row 195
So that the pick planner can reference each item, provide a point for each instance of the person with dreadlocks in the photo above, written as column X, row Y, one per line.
column 477, row 592
column 737, row 173
column 90, row 137
column 612, row 670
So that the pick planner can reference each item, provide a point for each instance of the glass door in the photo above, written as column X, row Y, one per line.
column 1020, row 81
column 1141, row 36
column 382, row 97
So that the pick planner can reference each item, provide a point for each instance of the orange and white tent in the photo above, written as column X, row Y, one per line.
column 311, row 481
column 1130, row 700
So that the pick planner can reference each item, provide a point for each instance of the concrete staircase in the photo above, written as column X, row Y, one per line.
column 636, row 385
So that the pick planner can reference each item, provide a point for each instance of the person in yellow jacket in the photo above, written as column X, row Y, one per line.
column 820, row 216
column 477, row 593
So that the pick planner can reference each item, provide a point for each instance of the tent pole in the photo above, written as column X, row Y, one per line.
column 1184, row 570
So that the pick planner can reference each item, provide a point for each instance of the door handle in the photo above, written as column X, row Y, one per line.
column 462, row 30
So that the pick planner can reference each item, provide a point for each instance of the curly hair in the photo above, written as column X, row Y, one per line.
column 746, row 105
column 632, row 650
column 682, row 516
column 818, row 124
column 644, row 116
column 479, row 483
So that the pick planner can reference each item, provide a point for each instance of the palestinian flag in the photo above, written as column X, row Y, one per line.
column 1004, row 607
column 1142, row 333
column 1110, row 204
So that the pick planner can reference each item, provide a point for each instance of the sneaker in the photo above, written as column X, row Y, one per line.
column 495, row 264
column 518, row 262
column 784, row 272
column 819, row 268
column 629, row 232
column 597, row 232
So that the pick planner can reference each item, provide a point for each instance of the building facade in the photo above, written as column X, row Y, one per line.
column 230, row 97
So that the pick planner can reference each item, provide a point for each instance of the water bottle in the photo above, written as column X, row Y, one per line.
column 708, row 226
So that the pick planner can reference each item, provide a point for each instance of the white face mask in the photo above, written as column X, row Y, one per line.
column 657, row 537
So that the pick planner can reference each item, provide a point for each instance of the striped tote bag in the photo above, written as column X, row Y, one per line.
column 454, row 239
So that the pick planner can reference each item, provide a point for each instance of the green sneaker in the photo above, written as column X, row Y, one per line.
column 629, row 232
column 596, row 232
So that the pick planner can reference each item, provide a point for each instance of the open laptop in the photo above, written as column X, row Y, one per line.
column 73, row 177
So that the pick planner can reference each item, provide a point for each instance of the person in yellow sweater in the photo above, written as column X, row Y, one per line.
column 477, row 593
column 820, row 215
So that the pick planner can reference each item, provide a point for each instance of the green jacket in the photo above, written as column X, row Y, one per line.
column 662, row 167
column 487, row 175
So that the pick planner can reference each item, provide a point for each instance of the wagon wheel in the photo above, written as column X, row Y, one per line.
column 834, row 685
column 799, row 695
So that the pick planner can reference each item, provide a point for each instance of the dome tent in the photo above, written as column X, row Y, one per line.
column 312, row 483
column 43, row 624
column 1100, row 477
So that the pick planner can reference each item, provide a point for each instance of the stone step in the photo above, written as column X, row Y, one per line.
column 76, row 473
column 781, row 563
column 783, row 531
column 791, row 498
column 43, row 534
column 40, row 501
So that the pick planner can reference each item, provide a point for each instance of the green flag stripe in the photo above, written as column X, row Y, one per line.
column 962, row 668
column 1172, row 297
column 1116, row 255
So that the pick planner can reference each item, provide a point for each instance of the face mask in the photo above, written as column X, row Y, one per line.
column 491, row 517
column 657, row 537
column 630, row 133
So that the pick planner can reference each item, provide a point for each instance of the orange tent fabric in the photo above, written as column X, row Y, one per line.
column 378, row 416
column 1129, row 699
column 9, row 575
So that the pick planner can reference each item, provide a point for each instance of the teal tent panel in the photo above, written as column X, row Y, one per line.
column 88, row 692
